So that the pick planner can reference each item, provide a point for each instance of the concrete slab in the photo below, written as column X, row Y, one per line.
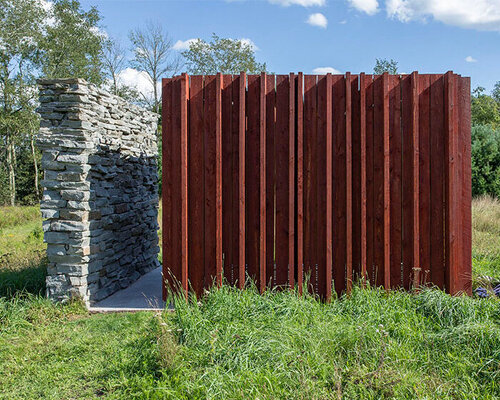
column 142, row 295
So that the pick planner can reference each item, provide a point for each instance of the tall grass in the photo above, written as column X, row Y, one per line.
column 373, row 344
column 486, row 236
column 13, row 216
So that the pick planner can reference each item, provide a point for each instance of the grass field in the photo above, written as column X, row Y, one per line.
column 240, row 345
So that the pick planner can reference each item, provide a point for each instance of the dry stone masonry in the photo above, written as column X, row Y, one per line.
column 100, row 199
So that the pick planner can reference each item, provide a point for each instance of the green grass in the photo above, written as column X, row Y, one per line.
column 486, row 237
column 23, row 264
column 241, row 345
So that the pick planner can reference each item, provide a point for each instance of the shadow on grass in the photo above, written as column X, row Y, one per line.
column 30, row 279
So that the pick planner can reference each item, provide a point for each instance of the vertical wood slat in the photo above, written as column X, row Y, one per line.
column 363, row 143
column 348, row 180
column 465, row 267
column 329, row 199
column 424, row 175
column 166, row 186
column 437, row 165
column 241, row 181
column 184, row 181
column 370, row 183
column 300, row 181
column 176, row 200
column 339, row 182
column 262, row 181
column 218, row 177
column 291, row 181
column 196, row 187
column 395, row 180
column 234, row 208
column 227, row 177
column 273, row 245
column 416, row 178
column 452, row 219
column 386, row 178
column 281, row 182
column 356, row 176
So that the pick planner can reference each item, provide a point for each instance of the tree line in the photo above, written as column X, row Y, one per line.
column 59, row 39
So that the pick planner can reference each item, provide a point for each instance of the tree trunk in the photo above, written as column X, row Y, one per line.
column 33, row 153
column 10, row 166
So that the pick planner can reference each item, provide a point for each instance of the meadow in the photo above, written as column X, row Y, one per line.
column 240, row 345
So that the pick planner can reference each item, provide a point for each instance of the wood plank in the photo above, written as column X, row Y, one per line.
column 465, row 267
column 227, row 178
column 415, row 104
column 184, row 181
column 387, row 183
column 300, row 181
column 270, row 171
column 291, row 181
column 218, row 178
column 252, row 178
column 166, row 185
column 437, row 161
column 262, row 182
column 241, row 180
column 176, row 266
column 424, row 175
column 329, row 190
column 282, row 181
column 348, row 180
column 370, row 184
column 235, row 82
column 196, row 186
column 339, row 182
column 210, row 160
column 379, row 187
column 395, row 180
column 310, row 211
column 321, row 184
column 356, row 176
column 363, row 176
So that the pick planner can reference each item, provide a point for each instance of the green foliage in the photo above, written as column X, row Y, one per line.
column 485, row 154
column 484, row 109
column 73, row 43
column 13, row 216
column 228, row 56
column 496, row 92
column 383, row 65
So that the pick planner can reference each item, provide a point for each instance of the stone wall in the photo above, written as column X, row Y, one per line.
column 100, row 199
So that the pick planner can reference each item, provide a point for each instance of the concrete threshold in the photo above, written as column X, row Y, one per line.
column 143, row 295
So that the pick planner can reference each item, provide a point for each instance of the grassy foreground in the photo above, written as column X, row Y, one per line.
column 241, row 345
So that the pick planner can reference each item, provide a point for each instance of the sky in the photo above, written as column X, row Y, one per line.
column 319, row 36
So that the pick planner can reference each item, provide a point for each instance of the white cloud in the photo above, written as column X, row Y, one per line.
column 325, row 70
column 470, row 59
column 317, row 19
column 369, row 7
column 474, row 14
column 182, row 45
column 303, row 3
column 139, row 80
column 343, row 22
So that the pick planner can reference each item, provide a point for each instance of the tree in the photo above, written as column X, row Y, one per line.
column 383, row 65
column 484, row 109
column 153, row 54
column 485, row 152
column 114, row 61
column 73, row 43
column 20, row 38
column 228, row 56
column 496, row 92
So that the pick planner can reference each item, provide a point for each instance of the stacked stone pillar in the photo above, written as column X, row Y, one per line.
column 100, row 199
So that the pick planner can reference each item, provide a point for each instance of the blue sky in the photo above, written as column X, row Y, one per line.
column 431, row 36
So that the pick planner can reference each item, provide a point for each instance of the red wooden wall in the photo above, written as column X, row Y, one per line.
column 329, row 177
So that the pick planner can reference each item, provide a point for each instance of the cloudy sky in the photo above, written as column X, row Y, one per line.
column 318, row 36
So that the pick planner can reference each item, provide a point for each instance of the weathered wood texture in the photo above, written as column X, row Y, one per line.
column 325, row 179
